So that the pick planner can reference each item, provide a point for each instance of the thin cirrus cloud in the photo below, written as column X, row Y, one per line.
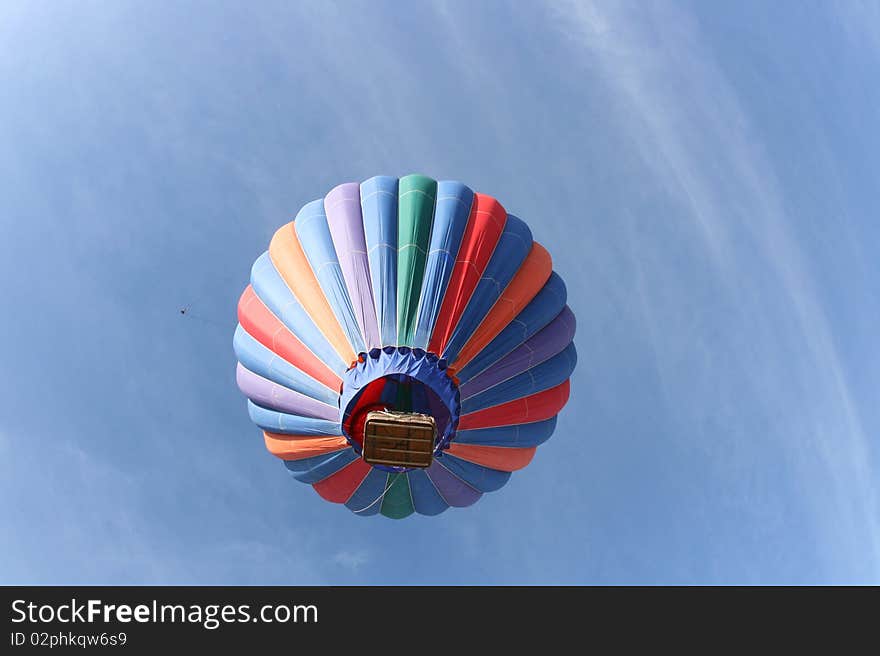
column 699, row 146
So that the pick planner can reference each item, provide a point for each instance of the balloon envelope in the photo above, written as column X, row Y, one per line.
column 410, row 295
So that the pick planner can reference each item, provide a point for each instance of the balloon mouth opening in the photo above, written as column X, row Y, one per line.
column 402, row 395
column 412, row 388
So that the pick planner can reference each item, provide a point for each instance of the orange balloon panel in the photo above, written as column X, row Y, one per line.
column 503, row 458
column 297, row 447
column 525, row 285
column 289, row 258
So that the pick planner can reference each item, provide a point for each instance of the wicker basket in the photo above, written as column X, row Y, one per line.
column 399, row 439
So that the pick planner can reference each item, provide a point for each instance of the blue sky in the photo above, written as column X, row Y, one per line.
column 706, row 176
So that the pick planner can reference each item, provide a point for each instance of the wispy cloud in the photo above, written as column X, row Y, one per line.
column 350, row 559
column 699, row 144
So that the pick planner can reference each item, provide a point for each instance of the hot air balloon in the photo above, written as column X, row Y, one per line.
column 404, row 345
